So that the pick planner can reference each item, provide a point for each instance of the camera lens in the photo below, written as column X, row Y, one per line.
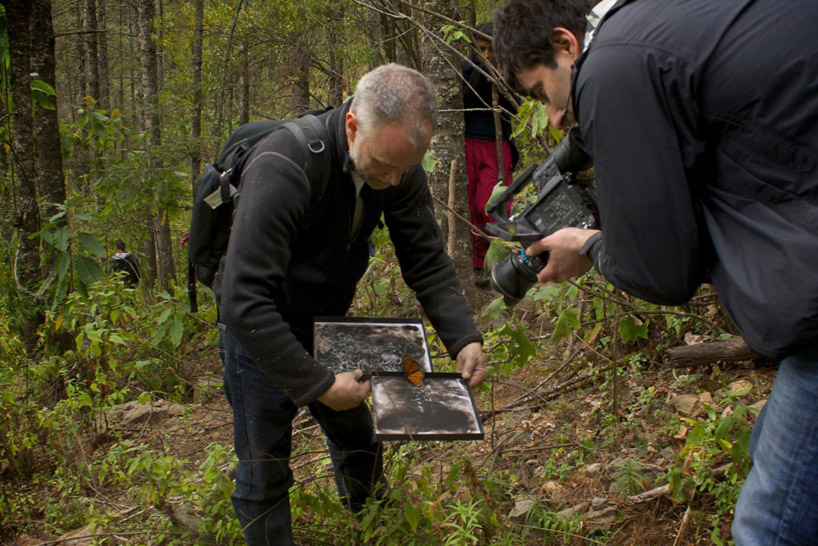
column 515, row 275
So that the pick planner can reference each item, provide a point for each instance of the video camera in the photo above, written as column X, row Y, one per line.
column 562, row 201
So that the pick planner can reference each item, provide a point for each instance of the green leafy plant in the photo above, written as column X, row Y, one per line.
column 452, row 33
column 464, row 523
column 629, row 478
column 535, row 113
column 554, row 529
column 715, row 460
column 42, row 94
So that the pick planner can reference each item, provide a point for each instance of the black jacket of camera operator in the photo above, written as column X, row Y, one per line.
column 704, row 134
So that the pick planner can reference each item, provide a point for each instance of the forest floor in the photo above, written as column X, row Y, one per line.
column 593, row 453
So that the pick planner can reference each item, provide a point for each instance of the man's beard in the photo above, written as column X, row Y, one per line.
column 371, row 181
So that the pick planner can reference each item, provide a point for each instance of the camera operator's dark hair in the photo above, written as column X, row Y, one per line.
column 522, row 27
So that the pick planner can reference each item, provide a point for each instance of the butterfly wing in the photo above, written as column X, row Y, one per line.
column 412, row 370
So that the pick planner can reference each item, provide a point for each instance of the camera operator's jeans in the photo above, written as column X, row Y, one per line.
column 262, row 428
column 778, row 504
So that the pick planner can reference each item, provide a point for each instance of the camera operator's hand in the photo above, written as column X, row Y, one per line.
column 471, row 364
column 347, row 391
column 564, row 260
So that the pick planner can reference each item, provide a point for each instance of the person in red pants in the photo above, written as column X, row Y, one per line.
column 481, row 147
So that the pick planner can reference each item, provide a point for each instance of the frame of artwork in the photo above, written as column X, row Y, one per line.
column 371, row 344
column 442, row 408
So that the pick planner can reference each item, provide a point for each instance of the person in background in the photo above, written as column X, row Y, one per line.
column 482, row 162
column 125, row 262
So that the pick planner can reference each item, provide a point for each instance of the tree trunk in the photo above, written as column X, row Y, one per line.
column 82, row 55
column 498, row 136
column 48, row 159
column 135, row 79
column 336, row 61
column 196, row 126
column 93, row 58
column 469, row 11
column 79, row 163
column 399, row 38
column 160, row 55
column 27, row 258
column 371, row 27
column 409, row 52
column 388, row 38
column 148, row 121
column 148, row 280
column 447, row 144
column 121, row 45
column 244, row 82
column 226, row 73
column 196, row 123
column 164, row 250
column 301, row 82
column 102, row 57
column 92, row 64
column 231, row 89
column 149, row 83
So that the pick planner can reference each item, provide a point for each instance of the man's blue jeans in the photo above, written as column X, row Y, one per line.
column 262, row 428
column 778, row 504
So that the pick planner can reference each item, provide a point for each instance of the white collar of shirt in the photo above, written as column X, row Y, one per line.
column 596, row 15
column 359, row 183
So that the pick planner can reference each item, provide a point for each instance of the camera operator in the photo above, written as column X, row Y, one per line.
column 284, row 267
column 701, row 118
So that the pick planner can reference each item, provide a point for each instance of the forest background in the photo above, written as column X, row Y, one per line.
column 111, row 110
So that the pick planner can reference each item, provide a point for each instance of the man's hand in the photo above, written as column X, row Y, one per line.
column 471, row 365
column 347, row 391
column 564, row 260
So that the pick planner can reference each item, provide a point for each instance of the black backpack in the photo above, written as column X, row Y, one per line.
column 218, row 187
column 125, row 262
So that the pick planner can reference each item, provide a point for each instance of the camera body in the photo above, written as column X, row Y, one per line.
column 562, row 201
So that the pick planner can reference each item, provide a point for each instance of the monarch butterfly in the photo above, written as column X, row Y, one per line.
column 412, row 370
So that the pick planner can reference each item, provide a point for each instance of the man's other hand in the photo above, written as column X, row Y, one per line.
column 471, row 365
column 347, row 391
column 564, row 260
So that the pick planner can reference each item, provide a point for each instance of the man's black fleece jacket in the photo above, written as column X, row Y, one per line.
column 283, row 267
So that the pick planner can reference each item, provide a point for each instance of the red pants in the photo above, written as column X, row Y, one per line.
column 481, row 169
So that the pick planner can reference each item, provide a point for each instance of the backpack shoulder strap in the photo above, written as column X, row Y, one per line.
column 243, row 139
column 313, row 137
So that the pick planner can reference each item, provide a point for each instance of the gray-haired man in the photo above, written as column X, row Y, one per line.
column 281, row 271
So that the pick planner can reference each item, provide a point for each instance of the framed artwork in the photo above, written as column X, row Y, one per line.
column 440, row 408
column 345, row 344
column 409, row 401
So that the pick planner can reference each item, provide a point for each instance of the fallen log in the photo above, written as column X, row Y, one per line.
column 700, row 354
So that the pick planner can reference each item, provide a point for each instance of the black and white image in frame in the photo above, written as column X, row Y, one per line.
column 442, row 408
column 370, row 344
